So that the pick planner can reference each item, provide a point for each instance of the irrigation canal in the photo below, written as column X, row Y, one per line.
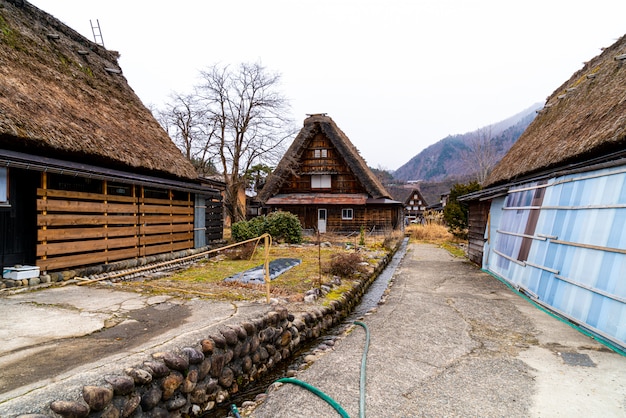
column 368, row 302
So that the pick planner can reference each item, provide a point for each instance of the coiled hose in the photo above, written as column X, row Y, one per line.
column 330, row 400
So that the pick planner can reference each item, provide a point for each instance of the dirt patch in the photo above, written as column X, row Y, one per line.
column 61, row 355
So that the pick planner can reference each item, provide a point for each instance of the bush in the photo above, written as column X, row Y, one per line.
column 282, row 226
column 455, row 213
column 241, row 231
column 345, row 264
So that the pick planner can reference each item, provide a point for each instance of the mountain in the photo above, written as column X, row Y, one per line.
column 450, row 157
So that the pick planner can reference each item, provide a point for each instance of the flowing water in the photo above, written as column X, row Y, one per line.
column 370, row 300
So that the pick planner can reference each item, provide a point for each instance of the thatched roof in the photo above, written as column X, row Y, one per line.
column 324, row 124
column 583, row 119
column 405, row 194
column 64, row 96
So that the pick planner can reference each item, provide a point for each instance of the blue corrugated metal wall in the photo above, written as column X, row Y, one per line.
column 572, row 257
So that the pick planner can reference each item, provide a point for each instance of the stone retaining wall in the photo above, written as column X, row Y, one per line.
column 192, row 380
column 47, row 279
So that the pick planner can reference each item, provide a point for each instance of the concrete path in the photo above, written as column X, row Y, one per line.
column 56, row 340
column 452, row 341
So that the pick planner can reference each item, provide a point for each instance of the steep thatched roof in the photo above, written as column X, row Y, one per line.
column 583, row 119
column 64, row 96
column 340, row 141
column 405, row 194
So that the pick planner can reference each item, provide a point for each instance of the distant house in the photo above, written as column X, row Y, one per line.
column 552, row 215
column 323, row 179
column 413, row 201
column 87, row 175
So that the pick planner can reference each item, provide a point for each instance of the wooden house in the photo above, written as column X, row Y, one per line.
column 87, row 175
column 413, row 202
column 323, row 179
column 552, row 215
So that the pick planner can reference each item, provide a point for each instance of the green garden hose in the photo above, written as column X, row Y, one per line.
column 363, row 368
column 330, row 400
column 318, row 392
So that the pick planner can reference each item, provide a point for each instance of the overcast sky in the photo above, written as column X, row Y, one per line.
column 395, row 75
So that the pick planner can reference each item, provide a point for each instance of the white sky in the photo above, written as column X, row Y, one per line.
column 395, row 75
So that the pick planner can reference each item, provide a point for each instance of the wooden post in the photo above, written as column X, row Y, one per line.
column 44, row 227
column 319, row 260
column 266, row 242
column 105, row 204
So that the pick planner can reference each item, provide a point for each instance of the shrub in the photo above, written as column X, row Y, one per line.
column 283, row 226
column 455, row 212
column 345, row 264
column 241, row 231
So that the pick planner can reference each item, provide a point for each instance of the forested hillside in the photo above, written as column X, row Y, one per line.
column 455, row 156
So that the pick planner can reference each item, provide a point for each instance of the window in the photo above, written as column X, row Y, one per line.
column 152, row 193
column 320, row 181
column 347, row 213
column 320, row 153
column 4, row 186
column 74, row 183
column 119, row 189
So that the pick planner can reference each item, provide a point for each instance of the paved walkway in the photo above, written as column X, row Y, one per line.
column 452, row 341
column 56, row 340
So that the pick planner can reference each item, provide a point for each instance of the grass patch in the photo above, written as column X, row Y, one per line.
column 206, row 278
column 453, row 249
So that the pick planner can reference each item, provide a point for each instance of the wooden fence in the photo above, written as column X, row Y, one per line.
column 78, row 228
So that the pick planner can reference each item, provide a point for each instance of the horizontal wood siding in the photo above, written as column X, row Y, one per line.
column 478, row 215
column 165, row 225
column 214, row 218
column 370, row 217
column 79, row 229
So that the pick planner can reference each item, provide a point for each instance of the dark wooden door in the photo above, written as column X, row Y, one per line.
column 18, row 219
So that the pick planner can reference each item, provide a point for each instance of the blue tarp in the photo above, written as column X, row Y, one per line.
column 255, row 274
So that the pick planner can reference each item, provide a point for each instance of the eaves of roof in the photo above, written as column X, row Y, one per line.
column 318, row 199
column 53, row 165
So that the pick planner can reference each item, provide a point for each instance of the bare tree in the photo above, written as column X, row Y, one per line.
column 192, row 129
column 481, row 154
column 251, row 126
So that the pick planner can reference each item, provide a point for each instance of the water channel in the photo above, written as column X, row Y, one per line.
column 369, row 301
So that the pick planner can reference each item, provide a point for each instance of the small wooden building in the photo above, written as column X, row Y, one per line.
column 324, row 181
column 87, row 175
column 413, row 201
column 552, row 215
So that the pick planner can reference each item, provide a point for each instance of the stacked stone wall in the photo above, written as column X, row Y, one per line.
column 192, row 380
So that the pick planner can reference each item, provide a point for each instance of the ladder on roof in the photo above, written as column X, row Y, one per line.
column 97, row 33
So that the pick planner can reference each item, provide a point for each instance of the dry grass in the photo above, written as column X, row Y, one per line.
column 436, row 234
column 429, row 232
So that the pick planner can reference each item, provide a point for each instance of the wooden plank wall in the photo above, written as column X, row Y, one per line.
column 376, row 218
column 477, row 219
column 78, row 229
column 214, row 218
column 343, row 180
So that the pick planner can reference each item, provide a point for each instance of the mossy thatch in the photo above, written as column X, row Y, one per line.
column 583, row 119
column 64, row 96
